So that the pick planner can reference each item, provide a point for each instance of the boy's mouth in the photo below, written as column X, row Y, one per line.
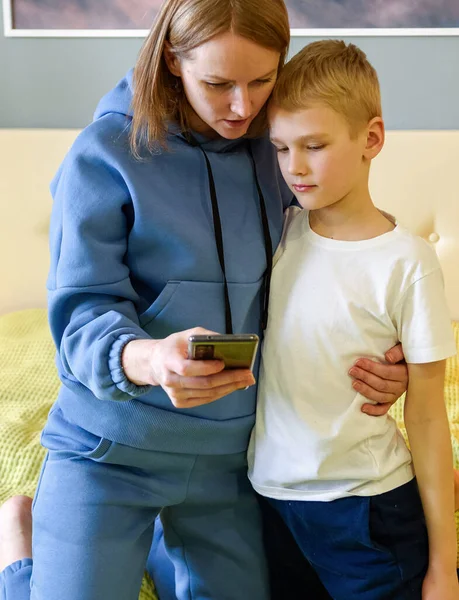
column 303, row 188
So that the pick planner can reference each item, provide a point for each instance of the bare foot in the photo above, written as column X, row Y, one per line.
column 15, row 530
column 456, row 489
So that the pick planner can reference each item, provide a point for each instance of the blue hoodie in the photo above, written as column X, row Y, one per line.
column 133, row 256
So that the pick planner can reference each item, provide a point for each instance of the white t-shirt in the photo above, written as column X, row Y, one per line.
column 332, row 302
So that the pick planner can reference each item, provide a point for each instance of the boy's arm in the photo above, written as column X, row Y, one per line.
column 429, row 435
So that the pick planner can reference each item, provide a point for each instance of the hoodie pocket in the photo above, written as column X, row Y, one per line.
column 186, row 304
column 183, row 305
column 161, row 302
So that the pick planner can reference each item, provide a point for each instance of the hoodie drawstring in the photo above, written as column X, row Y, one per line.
column 219, row 239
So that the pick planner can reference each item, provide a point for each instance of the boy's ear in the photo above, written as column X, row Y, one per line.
column 375, row 138
column 172, row 61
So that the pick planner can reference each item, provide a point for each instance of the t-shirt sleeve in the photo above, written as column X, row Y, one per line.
column 289, row 215
column 423, row 321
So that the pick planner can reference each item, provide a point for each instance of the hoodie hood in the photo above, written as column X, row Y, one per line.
column 119, row 101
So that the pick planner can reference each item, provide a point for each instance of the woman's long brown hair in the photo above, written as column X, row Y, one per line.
column 159, row 97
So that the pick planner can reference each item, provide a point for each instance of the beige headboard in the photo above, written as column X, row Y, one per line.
column 416, row 178
column 28, row 160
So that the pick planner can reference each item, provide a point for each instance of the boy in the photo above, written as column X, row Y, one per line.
column 348, row 283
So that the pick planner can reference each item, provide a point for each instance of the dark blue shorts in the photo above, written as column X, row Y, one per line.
column 368, row 548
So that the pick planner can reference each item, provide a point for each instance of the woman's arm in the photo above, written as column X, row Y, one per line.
column 91, row 300
column 430, row 441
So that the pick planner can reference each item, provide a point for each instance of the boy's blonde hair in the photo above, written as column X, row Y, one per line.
column 186, row 24
column 335, row 74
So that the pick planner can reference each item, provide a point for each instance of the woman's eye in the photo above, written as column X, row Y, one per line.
column 223, row 84
column 281, row 150
column 317, row 147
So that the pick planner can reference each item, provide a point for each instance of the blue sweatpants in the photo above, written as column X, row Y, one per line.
column 364, row 548
column 93, row 523
column 290, row 574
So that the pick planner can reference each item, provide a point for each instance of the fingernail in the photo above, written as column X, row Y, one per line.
column 353, row 371
column 246, row 383
column 356, row 385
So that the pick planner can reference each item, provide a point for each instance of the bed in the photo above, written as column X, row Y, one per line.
column 415, row 178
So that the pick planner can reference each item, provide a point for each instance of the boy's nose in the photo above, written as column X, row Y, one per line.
column 297, row 166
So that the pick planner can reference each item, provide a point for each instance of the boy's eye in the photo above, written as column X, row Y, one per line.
column 263, row 81
column 281, row 150
column 316, row 147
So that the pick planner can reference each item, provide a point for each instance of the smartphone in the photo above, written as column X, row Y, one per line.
column 237, row 351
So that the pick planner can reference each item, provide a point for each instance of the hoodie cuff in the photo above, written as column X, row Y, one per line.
column 116, row 369
column 15, row 580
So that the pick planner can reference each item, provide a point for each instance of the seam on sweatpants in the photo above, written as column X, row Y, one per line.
column 185, row 560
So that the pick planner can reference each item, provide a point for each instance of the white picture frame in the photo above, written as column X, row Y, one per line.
column 11, row 31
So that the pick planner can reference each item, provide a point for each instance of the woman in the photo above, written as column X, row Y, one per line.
column 167, row 210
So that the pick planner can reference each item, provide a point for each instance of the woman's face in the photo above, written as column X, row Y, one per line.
column 227, row 81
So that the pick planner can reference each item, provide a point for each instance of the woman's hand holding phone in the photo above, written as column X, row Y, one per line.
column 187, row 382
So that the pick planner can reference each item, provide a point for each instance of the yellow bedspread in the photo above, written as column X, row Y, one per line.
column 29, row 385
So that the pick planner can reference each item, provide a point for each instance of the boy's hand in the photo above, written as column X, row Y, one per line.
column 383, row 384
column 440, row 587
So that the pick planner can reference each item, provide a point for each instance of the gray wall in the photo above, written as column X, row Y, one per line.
column 57, row 82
